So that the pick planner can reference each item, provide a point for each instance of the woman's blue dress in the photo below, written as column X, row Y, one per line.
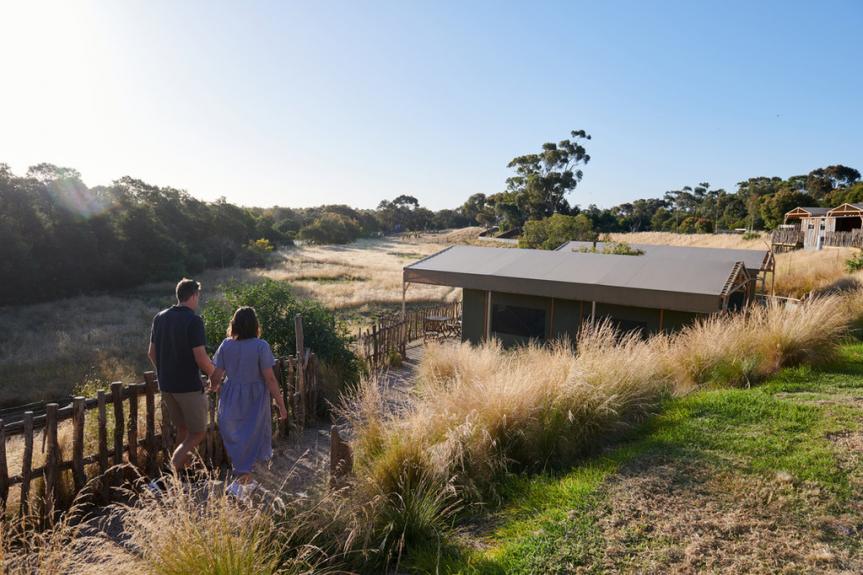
column 245, row 419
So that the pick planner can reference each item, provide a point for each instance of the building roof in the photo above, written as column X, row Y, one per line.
column 661, row 283
column 847, row 210
column 808, row 212
column 754, row 260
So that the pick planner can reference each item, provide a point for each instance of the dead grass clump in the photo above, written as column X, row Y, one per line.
column 800, row 272
column 740, row 349
column 735, row 241
column 482, row 410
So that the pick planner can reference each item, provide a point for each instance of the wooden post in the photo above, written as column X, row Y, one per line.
column 27, row 464
column 341, row 458
column 52, row 471
column 301, row 379
column 132, row 390
column 119, row 422
column 102, row 399
column 78, row 415
column 209, row 457
column 4, row 472
column 150, row 438
column 374, row 344
column 279, row 371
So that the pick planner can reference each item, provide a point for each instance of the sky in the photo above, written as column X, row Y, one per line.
column 305, row 103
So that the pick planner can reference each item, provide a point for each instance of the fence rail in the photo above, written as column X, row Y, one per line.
column 795, row 238
column 118, row 439
column 391, row 334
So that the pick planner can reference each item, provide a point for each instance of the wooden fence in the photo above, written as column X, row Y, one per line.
column 795, row 238
column 392, row 334
column 119, row 439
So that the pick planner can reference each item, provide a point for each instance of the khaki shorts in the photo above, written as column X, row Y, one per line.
column 187, row 410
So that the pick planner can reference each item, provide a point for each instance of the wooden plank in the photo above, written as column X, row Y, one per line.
column 133, row 424
column 119, row 426
column 52, row 474
column 102, row 399
column 78, row 476
column 150, row 437
column 301, row 380
column 26, row 464
column 4, row 472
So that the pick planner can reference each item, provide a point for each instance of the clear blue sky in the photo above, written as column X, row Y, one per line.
column 304, row 103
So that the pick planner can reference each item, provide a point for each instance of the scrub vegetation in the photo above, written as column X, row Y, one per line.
column 678, row 466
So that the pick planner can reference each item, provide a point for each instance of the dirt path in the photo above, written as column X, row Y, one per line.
column 299, row 459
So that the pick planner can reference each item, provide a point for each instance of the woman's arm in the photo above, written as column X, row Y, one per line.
column 273, row 387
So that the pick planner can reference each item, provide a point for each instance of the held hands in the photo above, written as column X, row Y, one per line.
column 283, row 413
column 215, row 386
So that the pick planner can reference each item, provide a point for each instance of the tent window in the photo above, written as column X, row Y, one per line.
column 516, row 320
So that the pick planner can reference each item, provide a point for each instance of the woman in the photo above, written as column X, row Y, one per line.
column 245, row 420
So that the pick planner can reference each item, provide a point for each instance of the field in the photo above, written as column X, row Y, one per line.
column 48, row 350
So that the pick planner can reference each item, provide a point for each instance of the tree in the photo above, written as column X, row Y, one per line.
column 553, row 231
column 822, row 181
column 543, row 180
column 774, row 207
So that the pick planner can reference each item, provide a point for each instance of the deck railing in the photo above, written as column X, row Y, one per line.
column 392, row 334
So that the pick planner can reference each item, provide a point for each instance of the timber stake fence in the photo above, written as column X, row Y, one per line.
column 391, row 334
column 118, row 439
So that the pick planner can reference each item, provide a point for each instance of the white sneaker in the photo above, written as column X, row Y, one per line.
column 242, row 491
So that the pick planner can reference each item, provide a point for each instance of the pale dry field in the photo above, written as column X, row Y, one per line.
column 49, row 350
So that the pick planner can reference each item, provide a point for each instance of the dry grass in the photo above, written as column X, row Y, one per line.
column 744, row 348
column 735, row 241
column 800, row 272
column 48, row 350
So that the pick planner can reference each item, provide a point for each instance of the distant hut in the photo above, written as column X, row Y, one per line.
column 814, row 228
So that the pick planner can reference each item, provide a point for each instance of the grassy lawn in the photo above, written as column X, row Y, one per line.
column 742, row 480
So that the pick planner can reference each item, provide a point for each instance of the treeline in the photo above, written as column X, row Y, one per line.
column 59, row 238
column 757, row 204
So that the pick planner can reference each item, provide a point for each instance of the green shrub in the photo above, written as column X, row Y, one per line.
column 276, row 305
column 855, row 263
column 256, row 254
column 553, row 231
column 751, row 236
column 614, row 248
column 331, row 228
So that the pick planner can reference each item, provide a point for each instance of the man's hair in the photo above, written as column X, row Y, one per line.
column 244, row 324
column 186, row 289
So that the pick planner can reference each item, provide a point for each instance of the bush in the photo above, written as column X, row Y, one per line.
column 855, row 263
column 256, row 254
column 553, row 231
column 331, row 228
column 276, row 306
column 748, row 236
column 614, row 248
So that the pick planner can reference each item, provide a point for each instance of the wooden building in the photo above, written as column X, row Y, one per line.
column 518, row 295
column 815, row 228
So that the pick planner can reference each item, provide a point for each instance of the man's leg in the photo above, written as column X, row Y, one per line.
column 190, row 441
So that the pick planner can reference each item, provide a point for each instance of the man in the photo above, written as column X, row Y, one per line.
column 177, row 352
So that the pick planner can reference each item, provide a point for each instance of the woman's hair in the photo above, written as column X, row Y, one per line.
column 244, row 324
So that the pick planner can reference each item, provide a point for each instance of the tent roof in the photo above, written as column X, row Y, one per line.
column 754, row 260
column 652, row 282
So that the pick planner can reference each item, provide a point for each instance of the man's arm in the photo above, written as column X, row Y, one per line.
column 203, row 360
column 151, row 353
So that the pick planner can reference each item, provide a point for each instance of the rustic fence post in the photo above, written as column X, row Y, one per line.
column 119, row 424
column 280, row 377
column 78, row 415
column 102, row 399
column 150, row 439
column 51, row 469
column 4, row 472
column 301, row 380
column 27, row 464
column 132, row 391
column 341, row 458
column 374, row 360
